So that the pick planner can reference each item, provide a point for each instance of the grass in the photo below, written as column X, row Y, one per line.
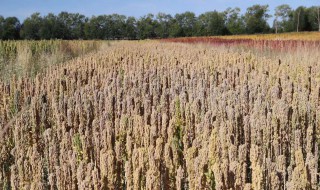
column 27, row 58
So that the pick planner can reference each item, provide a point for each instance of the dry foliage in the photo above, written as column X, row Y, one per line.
column 149, row 115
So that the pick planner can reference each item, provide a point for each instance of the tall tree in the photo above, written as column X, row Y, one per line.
column 300, row 19
column 146, row 27
column 1, row 26
column 96, row 28
column 31, row 27
column 282, row 15
column 72, row 25
column 162, row 29
column 11, row 28
column 187, row 22
column 314, row 17
column 130, row 28
column 64, row 20
column 175, row 29
column 256, row 19
column 212, row 23
column 51, row 27
column 77, row 26
column 234, row 21
column 117, row 26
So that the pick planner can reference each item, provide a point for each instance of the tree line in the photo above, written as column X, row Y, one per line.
column 229, row 22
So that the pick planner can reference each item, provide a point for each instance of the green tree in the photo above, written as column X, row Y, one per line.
column 289, row 25
column 174, row 29
column 11, row 28
column 300, row 19
column 256, row 19
column 130, row 28
column 282, row 16
column 187, row 23
column 212, row 23
column 31, row 27
column 51, row 28
column 1, row 26
column 234, row 21
column 117, row 26
column 64, row 21
column 146, row 27
column 72, row 25
column 314, row 17
column 96, row 28
column 77, row 25
column 163, row 24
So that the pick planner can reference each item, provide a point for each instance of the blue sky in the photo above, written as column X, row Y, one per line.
column 137, row 8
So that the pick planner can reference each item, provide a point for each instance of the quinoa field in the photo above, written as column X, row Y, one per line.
column 239, row 112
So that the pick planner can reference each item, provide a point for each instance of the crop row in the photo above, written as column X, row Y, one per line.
column 260, row 44
column 163, row 116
